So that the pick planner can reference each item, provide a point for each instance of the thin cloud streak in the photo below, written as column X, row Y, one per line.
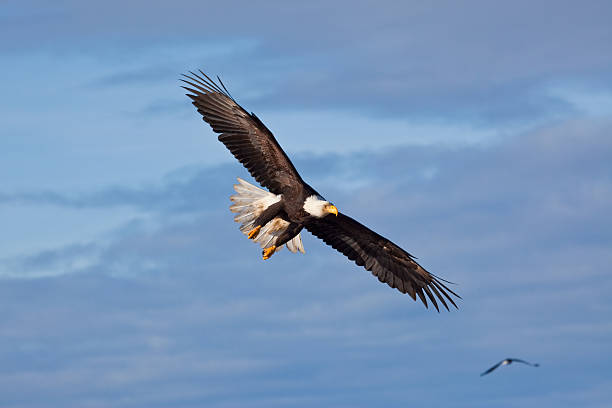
column 476, row 63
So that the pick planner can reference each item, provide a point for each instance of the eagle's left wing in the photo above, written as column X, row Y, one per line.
column 387, row 261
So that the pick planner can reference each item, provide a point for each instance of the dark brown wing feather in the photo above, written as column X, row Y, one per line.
column 249, row 140
column 388, row 262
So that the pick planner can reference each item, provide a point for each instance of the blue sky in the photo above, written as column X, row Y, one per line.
column 476, row 135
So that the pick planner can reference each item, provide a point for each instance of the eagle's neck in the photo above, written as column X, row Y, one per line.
column 316, row 205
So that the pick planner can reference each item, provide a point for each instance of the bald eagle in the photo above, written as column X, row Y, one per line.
column 276, row 217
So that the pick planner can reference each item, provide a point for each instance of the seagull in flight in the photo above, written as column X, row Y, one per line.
column 508, row 361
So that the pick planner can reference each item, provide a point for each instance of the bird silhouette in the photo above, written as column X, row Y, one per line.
column 508, row 361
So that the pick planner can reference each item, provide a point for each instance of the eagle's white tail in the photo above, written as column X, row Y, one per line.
column 249, row 203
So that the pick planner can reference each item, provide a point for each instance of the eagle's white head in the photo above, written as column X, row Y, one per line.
column 319, row 207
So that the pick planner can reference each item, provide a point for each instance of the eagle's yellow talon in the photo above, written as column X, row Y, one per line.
column 268, row 252
column 253, row 233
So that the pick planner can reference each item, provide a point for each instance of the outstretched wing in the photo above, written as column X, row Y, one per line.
column 492, row 368
column 249, row 140
column 518, row 360
column 388, row 262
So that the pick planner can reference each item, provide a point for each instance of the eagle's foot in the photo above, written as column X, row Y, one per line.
column 253, row 233
column 268, row 252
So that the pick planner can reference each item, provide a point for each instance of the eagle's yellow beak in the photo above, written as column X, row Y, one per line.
column 332, row 209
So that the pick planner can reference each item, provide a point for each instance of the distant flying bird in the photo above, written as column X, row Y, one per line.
column 275, row 218
column 508, row 361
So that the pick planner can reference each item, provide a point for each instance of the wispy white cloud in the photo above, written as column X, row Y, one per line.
column 476, row 64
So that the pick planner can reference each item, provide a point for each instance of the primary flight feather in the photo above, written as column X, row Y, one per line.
column 276, row 217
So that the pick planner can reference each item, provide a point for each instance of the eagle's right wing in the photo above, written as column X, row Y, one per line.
column 249, row 140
